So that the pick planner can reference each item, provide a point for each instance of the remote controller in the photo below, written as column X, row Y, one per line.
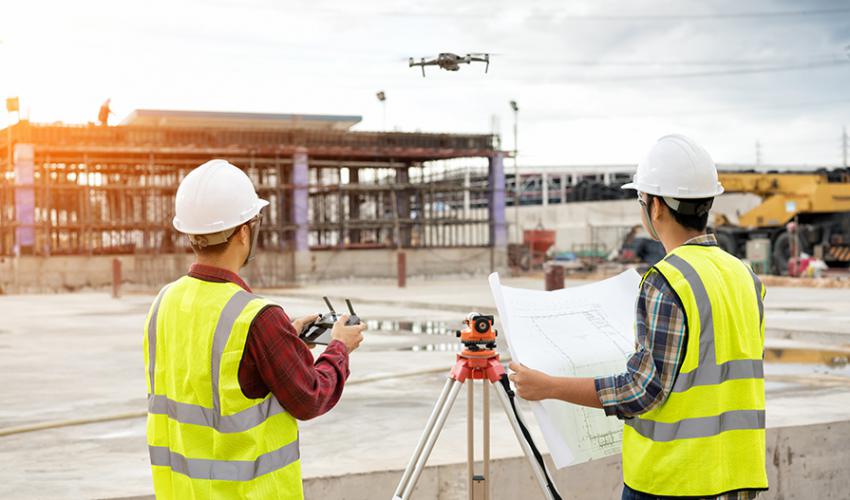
column 319, row 331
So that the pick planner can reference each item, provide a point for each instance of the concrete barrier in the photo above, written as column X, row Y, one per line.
column 803, row 462
column 30, row 274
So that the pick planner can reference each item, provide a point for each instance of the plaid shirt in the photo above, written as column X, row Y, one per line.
column 660, row 338
column 276, row 360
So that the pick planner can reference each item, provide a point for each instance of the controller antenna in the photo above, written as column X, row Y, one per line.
column 328, row 302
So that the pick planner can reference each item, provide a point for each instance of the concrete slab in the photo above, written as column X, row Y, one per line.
column 79, row 355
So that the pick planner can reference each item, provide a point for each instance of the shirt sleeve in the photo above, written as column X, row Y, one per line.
column 660, row 334
column 277, row 361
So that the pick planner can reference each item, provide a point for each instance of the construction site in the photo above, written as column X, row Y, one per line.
column 431, row 251
column 406, row 225
column 82, row 196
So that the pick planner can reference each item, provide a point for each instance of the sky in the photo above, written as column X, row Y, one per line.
column 597, row 81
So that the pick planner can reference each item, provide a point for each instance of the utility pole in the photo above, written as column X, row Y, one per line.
column 517, row 184
column 758, row 153
column 844, row 144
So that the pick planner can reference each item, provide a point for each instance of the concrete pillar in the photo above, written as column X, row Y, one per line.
column 301, row 213
column 353, row 204
column 466, row 186
column 606, row 178
column 544, row 188
column 496, row 181
column 24, row 163
column 403, row 207
column 563, row 188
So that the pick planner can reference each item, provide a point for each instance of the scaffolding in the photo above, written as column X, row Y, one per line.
column 110, row 190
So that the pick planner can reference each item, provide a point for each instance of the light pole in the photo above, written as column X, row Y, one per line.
column 517, row 184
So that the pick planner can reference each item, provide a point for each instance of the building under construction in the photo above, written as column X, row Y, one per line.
column 94, row 190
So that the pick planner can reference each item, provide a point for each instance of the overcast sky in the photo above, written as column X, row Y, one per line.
column 597, row 81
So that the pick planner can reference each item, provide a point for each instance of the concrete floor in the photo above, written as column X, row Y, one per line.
column 79, row 355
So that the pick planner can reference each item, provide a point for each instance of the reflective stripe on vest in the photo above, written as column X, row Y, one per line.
column 708, row 372
column 232, row 470
column 734, row 420
column 226, row 470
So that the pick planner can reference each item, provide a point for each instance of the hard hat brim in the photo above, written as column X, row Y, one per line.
column 195, row 231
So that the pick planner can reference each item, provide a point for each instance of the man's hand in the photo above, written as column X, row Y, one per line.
column 350, row 335
column 531, row 385
column 300, row 323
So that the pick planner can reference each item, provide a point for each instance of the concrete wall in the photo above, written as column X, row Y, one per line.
column 381, row 264
column 578, row 223
column 604, row 222
column 28, row 274
column 803, row 462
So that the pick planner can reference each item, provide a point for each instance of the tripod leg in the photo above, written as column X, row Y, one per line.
column 526, row 448
column 470, row 437
column 486, row 431
column 432, row 438
column 429, row 427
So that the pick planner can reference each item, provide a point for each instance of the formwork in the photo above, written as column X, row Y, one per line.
column 93, row 190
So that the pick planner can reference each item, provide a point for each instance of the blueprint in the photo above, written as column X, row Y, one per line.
column 583, row 331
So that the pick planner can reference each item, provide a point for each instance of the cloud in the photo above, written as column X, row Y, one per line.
column 597, row 81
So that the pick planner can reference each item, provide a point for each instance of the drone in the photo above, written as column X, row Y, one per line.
column 450, row 62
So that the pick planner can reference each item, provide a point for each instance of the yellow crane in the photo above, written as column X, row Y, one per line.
column 818, row 202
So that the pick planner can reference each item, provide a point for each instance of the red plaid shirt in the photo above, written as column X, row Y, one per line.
column 277, row 361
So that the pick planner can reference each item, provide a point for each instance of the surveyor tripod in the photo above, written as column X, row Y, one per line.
column 475, row 365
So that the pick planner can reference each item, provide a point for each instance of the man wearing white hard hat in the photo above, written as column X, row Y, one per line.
column 227, row 375
column 692, row 395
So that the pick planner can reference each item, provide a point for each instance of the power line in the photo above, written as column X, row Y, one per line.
column 727, row 72
column 701, row 17
column 721, row 111
column 824, row 59
column 552, row 16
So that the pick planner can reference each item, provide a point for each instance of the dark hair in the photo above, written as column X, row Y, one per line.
column 211, row 250
column 695, row 222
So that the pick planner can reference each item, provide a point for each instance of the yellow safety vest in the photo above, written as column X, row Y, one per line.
column 206, row 439
column 707, row 438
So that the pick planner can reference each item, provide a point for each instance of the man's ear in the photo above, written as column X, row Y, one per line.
column 657, row 207
column 245, row 235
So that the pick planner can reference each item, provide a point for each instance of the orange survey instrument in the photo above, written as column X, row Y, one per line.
column 478, row 361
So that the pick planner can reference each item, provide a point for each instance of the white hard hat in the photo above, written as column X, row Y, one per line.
column 215, row 197
column 677, row 167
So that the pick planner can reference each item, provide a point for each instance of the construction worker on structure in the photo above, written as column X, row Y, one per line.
column 692, row 395
column 227, row 374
